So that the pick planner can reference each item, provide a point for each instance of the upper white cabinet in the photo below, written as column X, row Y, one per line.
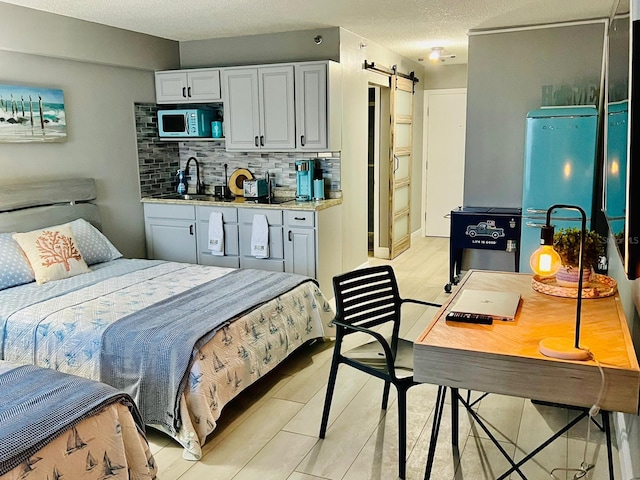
column 259, row 108
column 200, row 85
column 318, row 106
column 311, row 106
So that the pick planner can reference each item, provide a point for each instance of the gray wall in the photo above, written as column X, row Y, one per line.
column 298, row 46
column 507, row 72
column 99, row 106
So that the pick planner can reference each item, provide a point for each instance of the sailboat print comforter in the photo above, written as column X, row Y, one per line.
column 60, row 426
column 61, row 324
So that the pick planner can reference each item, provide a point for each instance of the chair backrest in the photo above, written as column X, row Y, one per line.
column 368, row 297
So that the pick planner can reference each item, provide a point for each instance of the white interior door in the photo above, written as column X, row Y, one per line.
column 444, row 146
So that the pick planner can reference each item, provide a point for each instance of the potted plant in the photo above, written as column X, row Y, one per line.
column 567, row 243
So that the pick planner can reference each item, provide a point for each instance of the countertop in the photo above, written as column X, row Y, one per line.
column 241, row 202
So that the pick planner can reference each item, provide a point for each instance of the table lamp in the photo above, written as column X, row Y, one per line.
column 545, row 262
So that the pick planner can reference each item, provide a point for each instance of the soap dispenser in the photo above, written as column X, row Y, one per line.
column 182, row 182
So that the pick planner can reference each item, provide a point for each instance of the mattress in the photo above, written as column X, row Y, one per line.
column 61, row 324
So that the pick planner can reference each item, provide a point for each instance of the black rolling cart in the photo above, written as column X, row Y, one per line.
column 488, row 228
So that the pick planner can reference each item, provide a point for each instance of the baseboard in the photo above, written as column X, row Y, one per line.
column 624, row 451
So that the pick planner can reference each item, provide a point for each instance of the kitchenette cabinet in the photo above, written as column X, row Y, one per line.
column 300, row 242
column 283, row 107
column 275, row 261
column 311, row 106
column 201, row 85
column 231, row 257
column 259, row 108
column 305, row 241
column 170, row 232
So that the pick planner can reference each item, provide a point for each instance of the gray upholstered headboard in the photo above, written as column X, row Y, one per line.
column 29, row 206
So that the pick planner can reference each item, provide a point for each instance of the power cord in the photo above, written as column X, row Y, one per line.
column 584, row 468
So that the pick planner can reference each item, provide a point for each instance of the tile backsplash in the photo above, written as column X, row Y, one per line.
column 159, row 160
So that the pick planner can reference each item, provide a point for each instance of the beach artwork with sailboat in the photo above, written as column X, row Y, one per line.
column 32, row 114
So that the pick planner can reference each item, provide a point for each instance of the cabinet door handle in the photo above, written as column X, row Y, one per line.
column 184, row 92
column 299, row 218
column 189, row 92
column 262, row 140
column 302, row 140
column 289, row 235
column 256, row 141
column 190, row 229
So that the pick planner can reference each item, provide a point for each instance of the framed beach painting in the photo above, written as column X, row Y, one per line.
column 31, row 114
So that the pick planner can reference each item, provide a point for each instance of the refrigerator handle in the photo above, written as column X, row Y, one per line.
column 537, row 211
column 534, row 224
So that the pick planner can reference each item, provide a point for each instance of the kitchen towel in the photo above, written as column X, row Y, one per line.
column 260, row 237
column 216, row 234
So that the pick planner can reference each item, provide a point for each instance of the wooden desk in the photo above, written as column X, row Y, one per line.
column 498, row 358
column 503, row 357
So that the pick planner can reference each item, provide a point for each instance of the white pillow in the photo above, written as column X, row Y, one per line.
column 52, row 253
column 93, row 245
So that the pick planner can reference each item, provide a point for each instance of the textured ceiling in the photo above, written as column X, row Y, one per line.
column 407, row 27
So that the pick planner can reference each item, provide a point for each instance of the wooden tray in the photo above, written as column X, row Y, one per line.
column 599, row 286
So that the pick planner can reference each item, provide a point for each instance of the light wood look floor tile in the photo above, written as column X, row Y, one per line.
column 270, row 432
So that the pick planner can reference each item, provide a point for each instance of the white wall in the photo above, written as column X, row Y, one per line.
column 99, row 98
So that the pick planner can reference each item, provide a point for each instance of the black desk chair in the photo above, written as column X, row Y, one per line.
column 368, row 298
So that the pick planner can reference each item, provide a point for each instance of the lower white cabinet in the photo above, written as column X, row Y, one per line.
column 170, row 232
column 300, row 242
column 275, row 262
column 305, row 242
column 231, row 257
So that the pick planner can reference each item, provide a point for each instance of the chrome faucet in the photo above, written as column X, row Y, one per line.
column 199, row 185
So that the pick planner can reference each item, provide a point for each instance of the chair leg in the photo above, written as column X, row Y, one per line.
column 402, row 433
column 385, row 395
column 333, row 373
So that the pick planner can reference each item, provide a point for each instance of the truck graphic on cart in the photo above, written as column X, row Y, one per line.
column 485, row 229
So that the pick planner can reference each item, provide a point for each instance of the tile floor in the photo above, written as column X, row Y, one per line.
column 271, row 431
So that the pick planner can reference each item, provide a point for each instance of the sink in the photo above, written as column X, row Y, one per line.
column 270, row 201
column 177, row 196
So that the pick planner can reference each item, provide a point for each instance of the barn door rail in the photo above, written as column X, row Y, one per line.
column 391, row 71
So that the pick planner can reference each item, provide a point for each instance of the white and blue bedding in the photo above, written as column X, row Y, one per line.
column 55, row 425
column 61, row 325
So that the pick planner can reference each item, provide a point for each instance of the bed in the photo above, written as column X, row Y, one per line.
column 54, row 425
column 183, row 340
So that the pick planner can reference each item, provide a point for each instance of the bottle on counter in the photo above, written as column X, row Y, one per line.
column 182, row 182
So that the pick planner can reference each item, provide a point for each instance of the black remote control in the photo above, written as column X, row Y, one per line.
column 469, row 318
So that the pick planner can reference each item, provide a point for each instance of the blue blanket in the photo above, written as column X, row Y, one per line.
column 39, row 404
column 148, row 354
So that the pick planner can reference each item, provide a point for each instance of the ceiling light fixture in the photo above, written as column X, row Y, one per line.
column 438, row 53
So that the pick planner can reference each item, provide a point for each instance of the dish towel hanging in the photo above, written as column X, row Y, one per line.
column 260, row 237
column 216, row 234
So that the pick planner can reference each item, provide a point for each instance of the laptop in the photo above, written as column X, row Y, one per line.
column 499, row 305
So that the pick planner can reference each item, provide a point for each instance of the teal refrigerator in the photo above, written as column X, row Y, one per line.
column 559, row 168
